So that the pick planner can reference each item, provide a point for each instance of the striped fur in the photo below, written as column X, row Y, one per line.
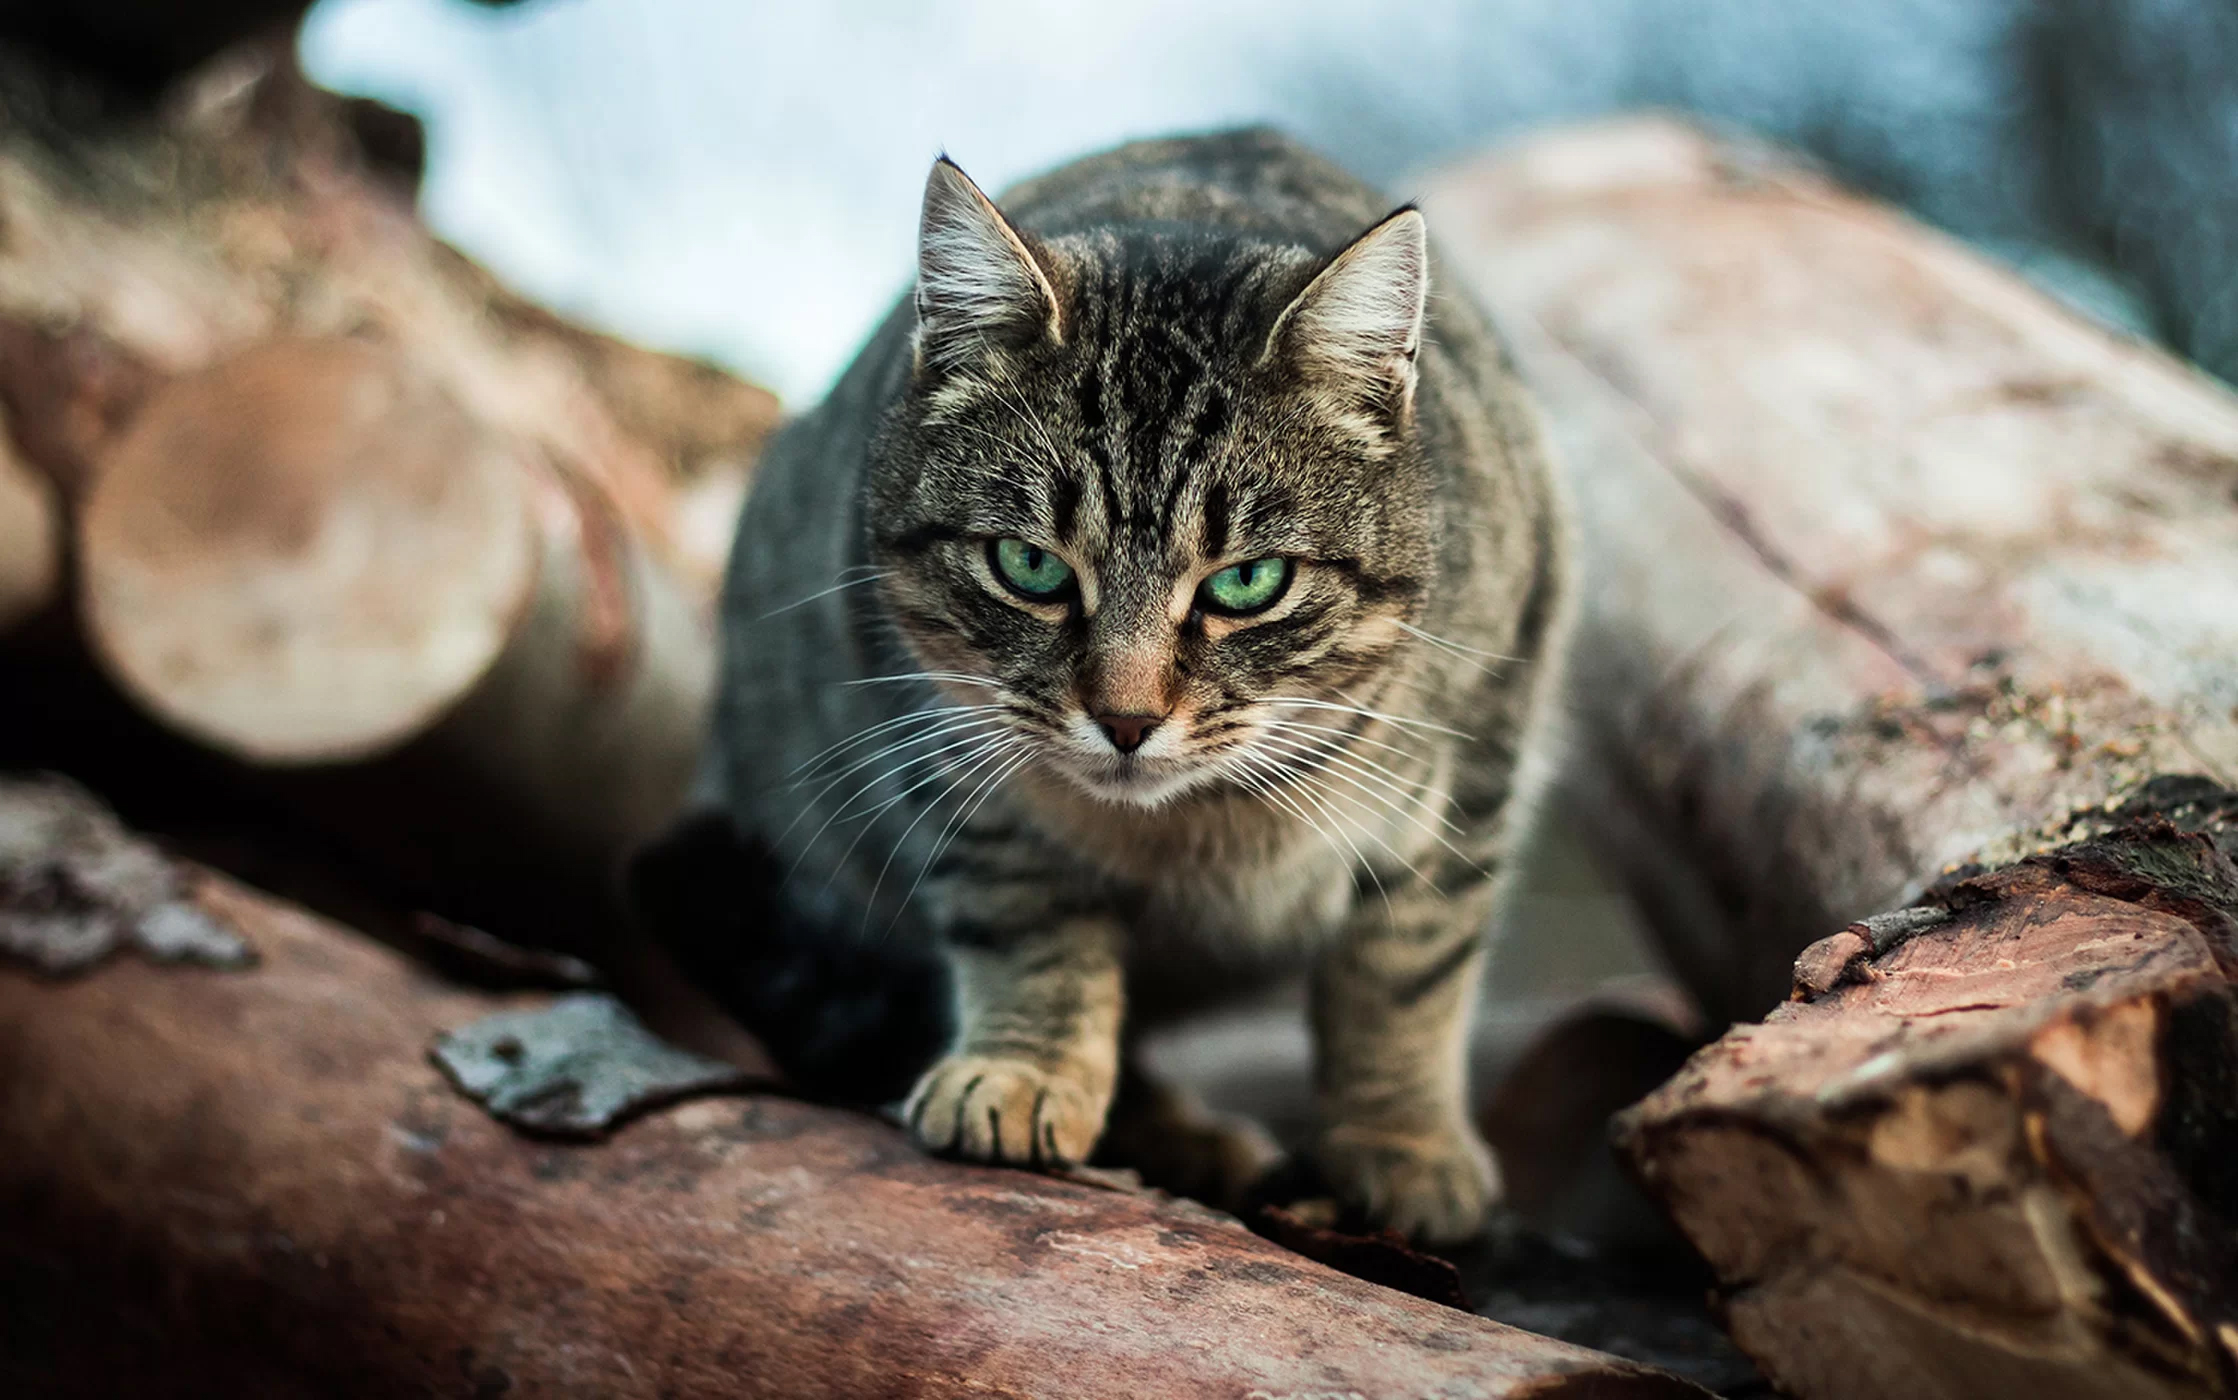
column 1155, row 363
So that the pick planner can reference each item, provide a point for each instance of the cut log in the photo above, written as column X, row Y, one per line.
column 1901, row 581
column 260, row 1176
column 309, row 553
column 1992, row 1157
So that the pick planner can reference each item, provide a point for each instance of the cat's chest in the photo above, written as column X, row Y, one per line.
column 1239, row 899
column 1249, row 912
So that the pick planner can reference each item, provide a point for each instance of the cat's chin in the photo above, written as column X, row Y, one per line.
column 1136, row 785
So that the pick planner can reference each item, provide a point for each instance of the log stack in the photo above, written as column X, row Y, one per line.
column 1911, row 619
column 408, row 555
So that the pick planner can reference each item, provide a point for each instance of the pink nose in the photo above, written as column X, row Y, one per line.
column 1126, row 732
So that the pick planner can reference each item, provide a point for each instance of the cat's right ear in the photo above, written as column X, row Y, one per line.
column 979, row 282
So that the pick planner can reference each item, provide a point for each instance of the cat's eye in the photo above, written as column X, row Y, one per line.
column 1029, row 570
column 1246, row 588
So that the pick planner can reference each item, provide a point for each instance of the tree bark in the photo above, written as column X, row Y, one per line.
column 1905, row 591
column 256, row 1183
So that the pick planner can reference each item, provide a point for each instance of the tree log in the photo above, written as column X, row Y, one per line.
column 255, row 1183
column 1901, row 583
column 1891, row 562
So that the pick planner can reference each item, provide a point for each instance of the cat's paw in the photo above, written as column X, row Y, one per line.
column 1437, row 1187
column 991, row 1109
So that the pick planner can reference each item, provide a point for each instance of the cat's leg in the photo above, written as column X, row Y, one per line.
column 1392, row 1002
column 1030, row 1076
column 1180, row 1145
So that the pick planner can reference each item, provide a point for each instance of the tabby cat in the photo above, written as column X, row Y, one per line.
column 1166, row 601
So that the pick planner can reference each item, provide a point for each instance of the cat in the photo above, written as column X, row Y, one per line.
column 1167, row 601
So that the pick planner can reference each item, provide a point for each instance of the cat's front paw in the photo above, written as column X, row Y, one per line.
column 1437, row 1187
column 991, row 1109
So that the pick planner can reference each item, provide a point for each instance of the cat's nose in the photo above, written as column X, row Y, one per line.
column 1126, row 732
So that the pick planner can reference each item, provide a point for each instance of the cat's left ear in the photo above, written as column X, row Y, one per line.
column 979, row 282
column 1359, row 323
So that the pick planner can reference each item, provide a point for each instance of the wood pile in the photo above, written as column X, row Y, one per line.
column 324, row 500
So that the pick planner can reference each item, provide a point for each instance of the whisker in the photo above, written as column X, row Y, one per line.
column 1448, row 644
column 1365, row 713
column 872, row 577
column 950, row 728
column 1341, row 733
column 1356, row 769
column 994, row 752
column 1304, row 790
column 935, row 729
column 955, row 677
column 961, row 761
column 962, row 818
column 1386, row 804
column 832, row 751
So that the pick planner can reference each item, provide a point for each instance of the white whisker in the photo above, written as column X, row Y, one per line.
column 1365, row 713
column 994, row 753
column 954, row 677
column 823, row 593
column 1448, row 644
column 971, row 804
column 832, row 751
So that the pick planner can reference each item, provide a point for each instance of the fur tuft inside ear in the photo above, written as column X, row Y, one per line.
column 1359, row 322
column 977, row 280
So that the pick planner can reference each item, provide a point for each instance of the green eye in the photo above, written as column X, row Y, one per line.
column 1245, row 588
column 1029, row 570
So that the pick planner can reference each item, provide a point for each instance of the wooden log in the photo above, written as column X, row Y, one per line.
column 310, row 553
column 259, row 1176
column 1901, row 580
column 1992, row 1157
column 1891, row 562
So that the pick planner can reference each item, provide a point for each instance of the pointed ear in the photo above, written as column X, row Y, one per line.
column 1359, row 324
column 977, row 280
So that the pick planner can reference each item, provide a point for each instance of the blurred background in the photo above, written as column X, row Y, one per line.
column 740, row 180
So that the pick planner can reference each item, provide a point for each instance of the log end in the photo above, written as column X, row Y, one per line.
column 304, row 553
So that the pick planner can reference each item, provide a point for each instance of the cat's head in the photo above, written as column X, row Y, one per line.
column 1154, row 494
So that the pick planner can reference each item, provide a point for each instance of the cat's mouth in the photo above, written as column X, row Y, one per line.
column 1149, row 776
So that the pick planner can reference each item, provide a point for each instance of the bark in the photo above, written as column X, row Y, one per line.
column 1992, row 1156
column 1906, row 591
column 256, row 1183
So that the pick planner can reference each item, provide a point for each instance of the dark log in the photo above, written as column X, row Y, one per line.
column 255, row 1183
column 1901, row 582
